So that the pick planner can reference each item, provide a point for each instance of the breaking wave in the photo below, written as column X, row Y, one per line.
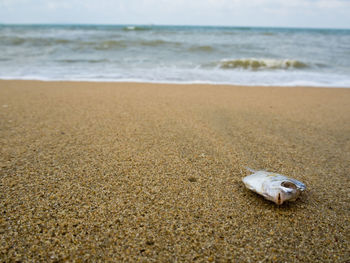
column 260, row 64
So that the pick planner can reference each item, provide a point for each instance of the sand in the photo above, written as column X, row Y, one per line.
column 152, row 172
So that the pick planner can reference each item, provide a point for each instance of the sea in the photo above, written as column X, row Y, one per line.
column 176, row 54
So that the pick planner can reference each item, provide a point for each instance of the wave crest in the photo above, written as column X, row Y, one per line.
column 83, row 60
column 37, row 41
column 201, row 48
column 157, row 42
column 110, row 44
column 136, row 28
column 257, row 64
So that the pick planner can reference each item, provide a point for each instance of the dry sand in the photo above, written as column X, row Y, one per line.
column 146, row 172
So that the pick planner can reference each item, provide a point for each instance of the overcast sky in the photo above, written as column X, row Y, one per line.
column 290, row 13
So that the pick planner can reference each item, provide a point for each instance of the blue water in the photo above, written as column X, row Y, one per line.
column 180, row 54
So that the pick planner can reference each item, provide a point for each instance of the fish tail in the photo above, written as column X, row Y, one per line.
column 249, row 169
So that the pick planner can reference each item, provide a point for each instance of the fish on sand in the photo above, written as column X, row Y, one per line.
column 274, row 187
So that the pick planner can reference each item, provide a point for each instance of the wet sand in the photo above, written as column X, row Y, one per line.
column 152, row 172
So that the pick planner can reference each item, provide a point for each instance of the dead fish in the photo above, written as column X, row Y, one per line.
column 274, row 187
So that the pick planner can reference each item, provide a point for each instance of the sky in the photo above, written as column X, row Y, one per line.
column 276, row 13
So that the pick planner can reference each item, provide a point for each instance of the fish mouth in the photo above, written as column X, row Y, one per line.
column 290, row 192
column 279, row 199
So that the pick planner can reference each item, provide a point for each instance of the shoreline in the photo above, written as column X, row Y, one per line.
column 152, row 172
column 190, row 83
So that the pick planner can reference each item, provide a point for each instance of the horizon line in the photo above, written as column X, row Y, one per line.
column 164, row 25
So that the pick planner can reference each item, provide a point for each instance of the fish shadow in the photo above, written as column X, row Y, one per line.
column 256, row 200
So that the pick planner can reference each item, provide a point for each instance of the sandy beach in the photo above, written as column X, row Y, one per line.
column 152, row 172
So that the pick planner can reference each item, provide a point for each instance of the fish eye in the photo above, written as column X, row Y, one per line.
column 289, row 185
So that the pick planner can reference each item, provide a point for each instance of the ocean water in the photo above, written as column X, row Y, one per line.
column 176, row 54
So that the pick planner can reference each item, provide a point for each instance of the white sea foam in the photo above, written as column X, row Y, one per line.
column 262, row 64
